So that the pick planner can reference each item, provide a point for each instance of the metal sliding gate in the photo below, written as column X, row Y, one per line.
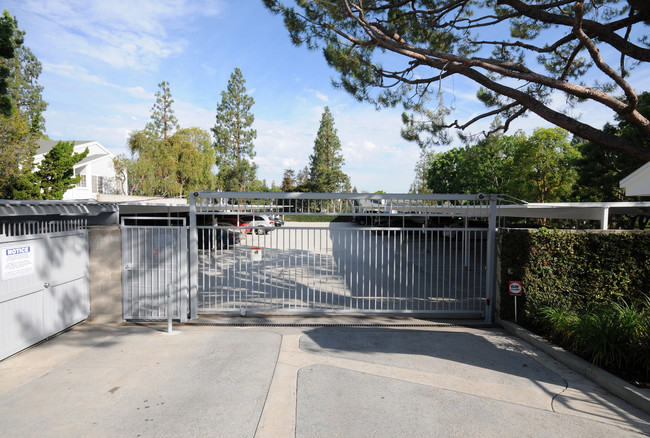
column 154, row 268
column 400, row 254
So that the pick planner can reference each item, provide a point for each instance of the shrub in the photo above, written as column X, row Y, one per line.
column 586, row 291
column 573, row 270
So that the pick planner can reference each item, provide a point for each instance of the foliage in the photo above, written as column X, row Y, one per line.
column 288, row 180
column 55, row 174
column 17, row 148
column 21, row 108
column 325, row 174
column 600, row 170
column 179, row 165
column 163, row 121
column 53, row 177
column 234, row 135
column 585, row 50
column 541, row 169
column 538, row 168
column 22, row 70
column 585, row 291
column 165, row 164
column 479, row 168
column 10, row 38
column 419, row 184
column 614, row 336
column 574, row 270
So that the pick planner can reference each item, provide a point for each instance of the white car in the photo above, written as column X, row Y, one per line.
column 261, row 224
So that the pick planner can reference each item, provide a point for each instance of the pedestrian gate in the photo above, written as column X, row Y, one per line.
column 338, row 253
column 154, row 268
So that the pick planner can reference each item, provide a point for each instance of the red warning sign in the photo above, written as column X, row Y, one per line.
column 515, row 288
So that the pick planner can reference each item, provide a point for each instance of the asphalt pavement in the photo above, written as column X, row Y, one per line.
column 282, row 377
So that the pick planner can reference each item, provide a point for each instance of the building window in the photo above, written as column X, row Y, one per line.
column 98, row 184
column 82, row 181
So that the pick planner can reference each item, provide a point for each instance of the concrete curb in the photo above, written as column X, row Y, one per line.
column 611, row 383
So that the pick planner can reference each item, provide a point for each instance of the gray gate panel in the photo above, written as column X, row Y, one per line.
column 413, row 254
column 347, row 268
column 154, row 259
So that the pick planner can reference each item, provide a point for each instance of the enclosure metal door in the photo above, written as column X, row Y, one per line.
column 44, row 281
column 394, row 261
column 154, row 264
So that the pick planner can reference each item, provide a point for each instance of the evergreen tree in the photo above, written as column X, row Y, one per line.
column 163, row 121
column 19, row 79
column 9, row 40
column 234, row 135
column 25, row 91
column 600, row 170
column 288, row 180
column 17, row 149
column 325, row 174
column 55, row 174
column 582, row 49
column 302, row 179
column 419, row 184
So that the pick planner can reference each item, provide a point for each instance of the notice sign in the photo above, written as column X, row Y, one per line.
column 17, row 262
column 256, row 254
column 515, row 287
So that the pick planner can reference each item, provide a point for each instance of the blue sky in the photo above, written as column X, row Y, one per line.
column 102, row 61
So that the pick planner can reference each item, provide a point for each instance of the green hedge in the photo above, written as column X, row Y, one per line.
column 586, row 291
column 573, row 270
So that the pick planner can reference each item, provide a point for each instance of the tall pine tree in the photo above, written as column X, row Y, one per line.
column 325, row 174
column 163, row 122
column 22, row 70
column 167, row 164
column 234, row 135
column 8, row 43
column 21, row 107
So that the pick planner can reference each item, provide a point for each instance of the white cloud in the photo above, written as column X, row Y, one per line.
column 319, row 95
column 122, row 33
column 78, row 73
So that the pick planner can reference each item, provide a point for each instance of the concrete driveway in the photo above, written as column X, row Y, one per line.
column 384, row 379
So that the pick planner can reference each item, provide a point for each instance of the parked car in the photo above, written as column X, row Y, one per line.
column 225, row 238
column 219, row 238
column 261, row 224
column 236, row 221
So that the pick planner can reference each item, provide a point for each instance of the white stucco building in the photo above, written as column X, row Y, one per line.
column 638, row 182
column 97, row 170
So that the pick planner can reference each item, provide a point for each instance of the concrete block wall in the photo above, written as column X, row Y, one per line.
column 105, row 262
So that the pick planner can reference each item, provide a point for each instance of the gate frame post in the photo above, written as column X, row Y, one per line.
column 193, row 259
column 491, row 261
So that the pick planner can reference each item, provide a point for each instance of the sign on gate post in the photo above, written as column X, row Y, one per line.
column 256, row 254
column 515, row 288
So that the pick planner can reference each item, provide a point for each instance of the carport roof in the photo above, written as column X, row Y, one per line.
column 95, row 212
column 573, row 210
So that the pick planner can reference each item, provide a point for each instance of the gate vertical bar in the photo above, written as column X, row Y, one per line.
column 193, row 259
column 491, row 259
